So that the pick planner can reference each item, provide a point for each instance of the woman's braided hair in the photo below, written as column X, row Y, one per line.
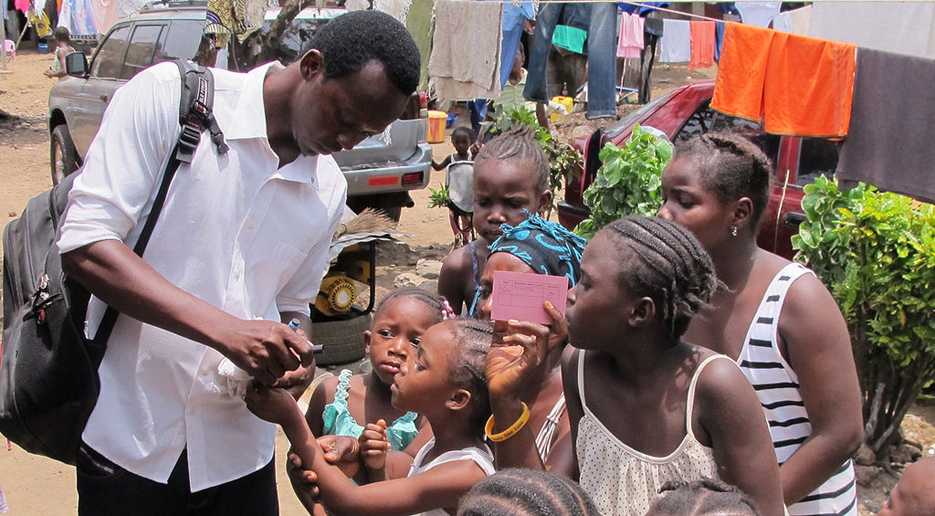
column 668, row 264
column 436, row 303
column 525, row 492
column 518, row 143
column 732, row 167
column 703, row 497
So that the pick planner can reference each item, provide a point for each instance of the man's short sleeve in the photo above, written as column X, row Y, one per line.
column 125, row 160
column 304, row 285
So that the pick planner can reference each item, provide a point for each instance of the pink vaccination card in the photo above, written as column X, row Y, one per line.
column 520, row 296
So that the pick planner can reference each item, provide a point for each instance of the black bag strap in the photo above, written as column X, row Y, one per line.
column 195, row 115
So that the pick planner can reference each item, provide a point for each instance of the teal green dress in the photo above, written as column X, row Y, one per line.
column 338, row 420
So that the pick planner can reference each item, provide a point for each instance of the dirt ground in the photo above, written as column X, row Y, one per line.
column 37, row 486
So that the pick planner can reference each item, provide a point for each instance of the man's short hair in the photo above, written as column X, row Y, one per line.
column 352, row 40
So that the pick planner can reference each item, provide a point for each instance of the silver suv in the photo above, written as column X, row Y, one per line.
column 380, row 171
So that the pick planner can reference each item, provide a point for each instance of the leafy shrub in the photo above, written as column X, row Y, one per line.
column 438, row 198
column 629, row 181
column 876, row 252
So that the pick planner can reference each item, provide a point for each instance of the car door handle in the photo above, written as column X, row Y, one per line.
column 794, row 218
column 103, row 98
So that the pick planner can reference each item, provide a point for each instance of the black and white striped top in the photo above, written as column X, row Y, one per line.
column 777, row 386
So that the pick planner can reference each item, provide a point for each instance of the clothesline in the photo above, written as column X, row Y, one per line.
column 636, row 4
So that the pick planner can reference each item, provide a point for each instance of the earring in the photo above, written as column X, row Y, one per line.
column 733, row 231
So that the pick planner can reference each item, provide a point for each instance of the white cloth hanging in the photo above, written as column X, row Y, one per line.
column 759, row 13
column 676, row 41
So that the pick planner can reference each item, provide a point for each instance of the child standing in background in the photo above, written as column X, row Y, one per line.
column 459, row 180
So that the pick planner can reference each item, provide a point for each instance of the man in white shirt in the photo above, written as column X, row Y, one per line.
column 242, row 241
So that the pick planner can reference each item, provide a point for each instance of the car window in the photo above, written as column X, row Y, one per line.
column 141, row 50
column 816, row 157
column 180, row 41
column 108, row 62
column 705, row 120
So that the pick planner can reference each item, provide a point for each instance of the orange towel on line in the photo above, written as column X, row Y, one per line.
column 702, row 39
column 809, row 86
column 741, row 74
column 793, row 84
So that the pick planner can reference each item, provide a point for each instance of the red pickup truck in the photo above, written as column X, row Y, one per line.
column 684, row 113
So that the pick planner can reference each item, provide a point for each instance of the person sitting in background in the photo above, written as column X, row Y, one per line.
column 526, row 492
column 511, row 178
column 705, row 497
column 62, row 49
column 915, row 492
column 511, row 96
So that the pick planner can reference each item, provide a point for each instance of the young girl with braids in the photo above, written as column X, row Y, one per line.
column 704, row 497
column 645, row 406
column 526, row 492
column 443, row 379
column 511, row 178
column 776, row 319
column 537, row 246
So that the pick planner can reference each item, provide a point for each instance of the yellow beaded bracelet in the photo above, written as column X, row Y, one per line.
column 509, row 432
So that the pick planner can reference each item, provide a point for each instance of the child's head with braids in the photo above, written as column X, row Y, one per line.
column 702, row 498
column 511, row 175
column 443, row 378
column 526, row 492
column 663, row 277
column 718, row 187
column 398, row 324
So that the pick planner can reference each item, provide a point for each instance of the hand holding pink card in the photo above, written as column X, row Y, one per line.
column 521, row 296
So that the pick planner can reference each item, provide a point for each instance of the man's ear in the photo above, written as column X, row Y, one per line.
column 312, row 64
column 458, row 400
column 367, row 337
column 642, row 312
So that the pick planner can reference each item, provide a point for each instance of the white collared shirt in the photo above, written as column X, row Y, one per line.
column 236, row 231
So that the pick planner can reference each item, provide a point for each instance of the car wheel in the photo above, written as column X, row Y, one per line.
column 342, row 342
column 63, row 156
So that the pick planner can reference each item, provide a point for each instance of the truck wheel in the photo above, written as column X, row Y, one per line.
column 63, row 156
column 342, row 342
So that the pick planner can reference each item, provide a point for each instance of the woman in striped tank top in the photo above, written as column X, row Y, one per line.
column 776, row 319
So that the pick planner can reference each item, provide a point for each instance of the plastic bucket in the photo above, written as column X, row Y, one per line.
column 436, row 131
column 43, row 48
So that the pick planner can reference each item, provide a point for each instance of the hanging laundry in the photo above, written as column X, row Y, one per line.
column 676, row 43
column 40, row 23
column 718, row 40
column 801, row 20
column 904, row 27
column 76, row 16
column 631, row 42
column 809, row 86
column 890, row 142
column 104, row 13
column 794, row 85
column 465, row 60
column 759, row 13
column 569, row 38
column 21, row 5
column 741, row 75
column 702, row 38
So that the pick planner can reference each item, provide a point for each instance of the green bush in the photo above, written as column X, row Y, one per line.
column 876, row 253
column 629, row 181
column 438, row 198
